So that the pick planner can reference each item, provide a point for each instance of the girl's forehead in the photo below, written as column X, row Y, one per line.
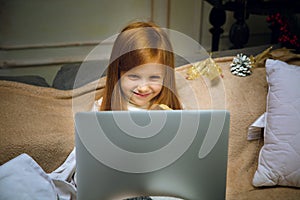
column 149, row 68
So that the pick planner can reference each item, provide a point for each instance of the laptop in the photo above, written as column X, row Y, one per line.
column 170, row 153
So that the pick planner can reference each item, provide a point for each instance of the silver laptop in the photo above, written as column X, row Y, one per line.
column 178, row 153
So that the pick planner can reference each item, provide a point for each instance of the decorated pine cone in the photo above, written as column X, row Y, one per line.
column 241, row 65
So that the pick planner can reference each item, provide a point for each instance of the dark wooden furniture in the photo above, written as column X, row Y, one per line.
column 239, row 32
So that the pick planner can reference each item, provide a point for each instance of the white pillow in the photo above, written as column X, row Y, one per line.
column 279, row 159
column 23, row 178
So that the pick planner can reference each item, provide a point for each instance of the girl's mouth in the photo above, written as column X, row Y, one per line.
column 140, row 94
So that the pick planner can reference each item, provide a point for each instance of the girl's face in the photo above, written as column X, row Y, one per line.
column 142, row 83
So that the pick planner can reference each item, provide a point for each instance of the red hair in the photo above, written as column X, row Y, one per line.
column 140, row 43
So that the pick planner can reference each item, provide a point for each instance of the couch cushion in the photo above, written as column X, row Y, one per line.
column 31, row 80
column 75, row 75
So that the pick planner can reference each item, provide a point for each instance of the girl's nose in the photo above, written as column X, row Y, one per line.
column 143, row 88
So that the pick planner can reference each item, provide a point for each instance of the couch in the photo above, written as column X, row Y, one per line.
column 39, row 121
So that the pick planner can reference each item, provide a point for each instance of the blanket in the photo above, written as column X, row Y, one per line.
column 39, row 121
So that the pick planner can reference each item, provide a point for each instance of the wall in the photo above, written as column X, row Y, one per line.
column 35, row 32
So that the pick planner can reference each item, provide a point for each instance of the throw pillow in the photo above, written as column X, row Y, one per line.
column 279, row 158
column 74, row 75
column 31, row 80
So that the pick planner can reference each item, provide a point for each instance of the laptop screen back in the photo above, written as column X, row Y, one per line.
column 180, row 153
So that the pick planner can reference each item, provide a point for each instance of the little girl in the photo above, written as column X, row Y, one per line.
column 141, row 71
column 140, row 76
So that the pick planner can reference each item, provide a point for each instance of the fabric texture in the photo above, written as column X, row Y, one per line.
column 23, row 178
column 255, row 131
column 64, row 178
column 279, row 159
column 39, row 121
column 31, row 80
column 68, row 78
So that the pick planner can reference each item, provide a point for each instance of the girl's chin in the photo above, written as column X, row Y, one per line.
column 142, row 104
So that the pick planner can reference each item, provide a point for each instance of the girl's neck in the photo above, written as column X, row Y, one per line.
column 145, row 107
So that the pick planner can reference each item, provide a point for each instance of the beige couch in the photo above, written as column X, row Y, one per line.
column 39, row 121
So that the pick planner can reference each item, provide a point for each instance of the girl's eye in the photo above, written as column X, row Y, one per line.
column 133, row 76
column 155, row 78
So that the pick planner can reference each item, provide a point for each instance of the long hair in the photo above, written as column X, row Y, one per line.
column 140, row 43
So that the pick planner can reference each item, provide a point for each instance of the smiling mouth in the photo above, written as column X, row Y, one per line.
column 141, row 95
